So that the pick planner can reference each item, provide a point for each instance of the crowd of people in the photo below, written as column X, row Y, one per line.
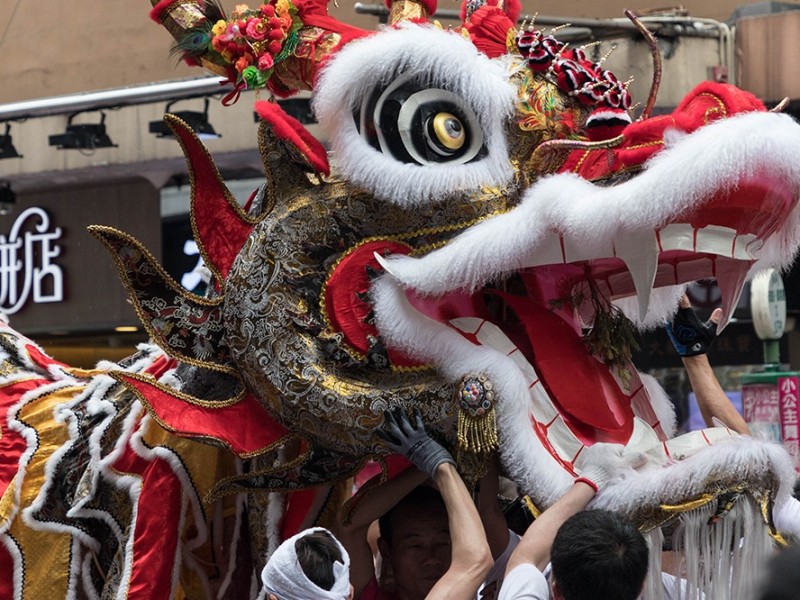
column 435, row 540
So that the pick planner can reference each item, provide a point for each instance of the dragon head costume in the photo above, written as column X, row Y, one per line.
column 494, row 227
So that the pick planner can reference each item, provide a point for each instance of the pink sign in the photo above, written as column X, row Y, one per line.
column 789, row 402
column 761, row 410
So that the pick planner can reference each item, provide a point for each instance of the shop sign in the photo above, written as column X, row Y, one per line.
column 28, row 272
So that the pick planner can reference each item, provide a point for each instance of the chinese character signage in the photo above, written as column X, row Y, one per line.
column 28, row 268
column 55, row 278
column 761, row 410
column 789, row 400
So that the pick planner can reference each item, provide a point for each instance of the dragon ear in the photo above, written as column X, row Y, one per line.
column 279, row 45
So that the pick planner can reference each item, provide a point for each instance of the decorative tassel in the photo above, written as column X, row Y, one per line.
column 477, row 425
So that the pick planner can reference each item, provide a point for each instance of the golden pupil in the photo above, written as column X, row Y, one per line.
column 449, row 130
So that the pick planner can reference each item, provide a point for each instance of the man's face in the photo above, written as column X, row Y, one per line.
column 420, row 550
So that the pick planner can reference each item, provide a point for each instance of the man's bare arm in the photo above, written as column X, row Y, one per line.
column 471, row 557
column 711, row 398
column 692, row 339
column 534, row 547
column 489, row 510
column 597, row 465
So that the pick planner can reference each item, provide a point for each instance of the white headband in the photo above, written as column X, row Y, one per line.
column 284, row 577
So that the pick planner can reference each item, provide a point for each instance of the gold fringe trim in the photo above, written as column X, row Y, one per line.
column 535, row 512
column 690, row 505
column 477, row 434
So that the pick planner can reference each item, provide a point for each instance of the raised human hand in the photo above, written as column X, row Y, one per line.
column 689, row 334
column 412, row 441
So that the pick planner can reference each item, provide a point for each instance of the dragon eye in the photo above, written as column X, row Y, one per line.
column 423, row 126
column 445, row 133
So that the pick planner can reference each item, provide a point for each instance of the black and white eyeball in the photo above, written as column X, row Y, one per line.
column 416, row 113
column 420, row 125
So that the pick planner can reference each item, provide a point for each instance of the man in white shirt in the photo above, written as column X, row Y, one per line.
column 595, row 555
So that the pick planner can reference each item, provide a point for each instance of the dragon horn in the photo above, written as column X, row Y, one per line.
column 206, row 37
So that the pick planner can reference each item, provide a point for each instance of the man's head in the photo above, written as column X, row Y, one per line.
column 324, row 568
column 316, row 553
column 781, row 581
column 598, row 555
column 415, row 541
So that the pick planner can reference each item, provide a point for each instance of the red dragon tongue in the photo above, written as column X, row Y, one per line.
column 586, row 393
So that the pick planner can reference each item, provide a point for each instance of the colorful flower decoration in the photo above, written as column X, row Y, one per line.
column 252, row 41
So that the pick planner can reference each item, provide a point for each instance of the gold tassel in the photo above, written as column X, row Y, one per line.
column 477, row 424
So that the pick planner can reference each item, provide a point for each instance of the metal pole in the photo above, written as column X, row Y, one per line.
column 127, row 96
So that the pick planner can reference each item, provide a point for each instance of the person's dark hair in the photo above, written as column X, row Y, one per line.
column 316, row 553
column 422, row 496
column 598, row 555
column 782, row 578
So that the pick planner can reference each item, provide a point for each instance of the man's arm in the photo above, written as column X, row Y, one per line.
column 692, row 338
column 534, row 547
column 711, row 398
column 471, row 558
column 491, row 514
column 470, row 555
column 597, row 465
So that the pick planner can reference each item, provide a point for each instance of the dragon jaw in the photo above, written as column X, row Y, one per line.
column 724, row 214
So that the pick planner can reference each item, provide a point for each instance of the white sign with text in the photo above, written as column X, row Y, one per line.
column 27, row 270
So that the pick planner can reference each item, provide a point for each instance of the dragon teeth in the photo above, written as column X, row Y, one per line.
column 731, row 276
column 713, row 239
column 640, row 253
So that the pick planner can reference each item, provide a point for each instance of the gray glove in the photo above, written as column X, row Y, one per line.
column 412, row 441
column 600, row 463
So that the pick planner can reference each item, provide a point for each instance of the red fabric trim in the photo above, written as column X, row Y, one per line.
column 219, row 227
column 12, row 444
column 160, row 366
column 346, row 310
column 298, row 506
column 245, row 426
column 706, row 103
column 488, row 28
column 314, row 13
column 290, row 130
column 6, row 572
column 395, row 464
column 735, row 99
column 249, row 204
column 345, row 40
column 588, row 482
column 41, row 359
column 155, row 533
column 158, row 10
column 512, row 9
